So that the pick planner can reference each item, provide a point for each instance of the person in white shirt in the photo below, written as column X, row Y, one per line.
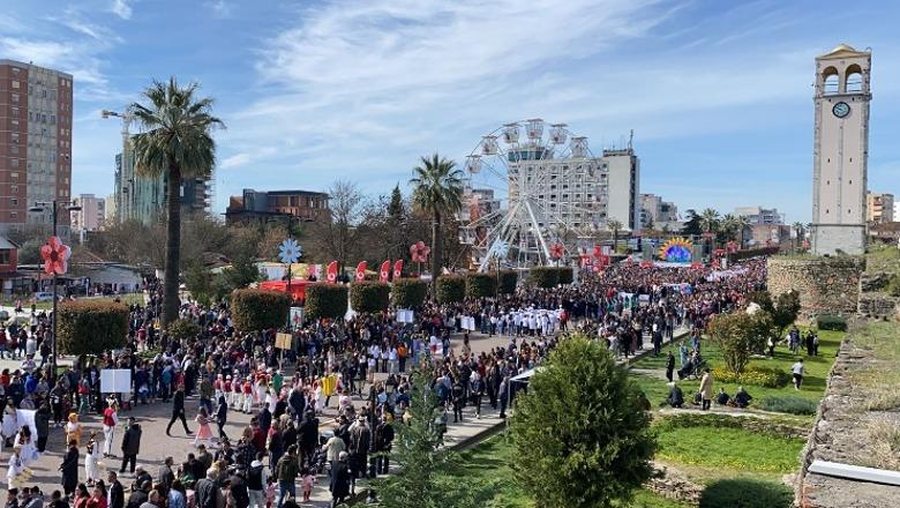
column 797, row 371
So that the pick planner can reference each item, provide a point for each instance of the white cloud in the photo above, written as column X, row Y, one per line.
column 121, row 8
column 220, row 8
column 236, row 160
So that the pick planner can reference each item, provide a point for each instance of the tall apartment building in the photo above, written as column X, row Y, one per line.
column 624, row 203
column 658, row 213
column 35, row 142
column 879, row 207
column 262, row 206
column 90, row 214
column 759, row 215
column 143, row 198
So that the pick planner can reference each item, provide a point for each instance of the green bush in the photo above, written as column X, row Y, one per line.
column 745, row 493
column 183, row 329
column 766, row 427
column 508, row 281
column 893, row 286
column 324, row 300
column 543, row 276
column 92, row 327
column 370, row 296
column 256, row 309
column 739, row 335
column 409, row 293
column 788, row 404
column 450, row 289
column 829, row 322
column 767, row 377
column 481, row 285
column 566, row 274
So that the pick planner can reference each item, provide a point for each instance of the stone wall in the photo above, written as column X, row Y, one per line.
column 827, row 285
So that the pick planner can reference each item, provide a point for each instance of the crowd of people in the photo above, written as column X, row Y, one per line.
column 363, row 363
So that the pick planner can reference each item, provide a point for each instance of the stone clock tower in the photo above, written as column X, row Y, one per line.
column 841, row 151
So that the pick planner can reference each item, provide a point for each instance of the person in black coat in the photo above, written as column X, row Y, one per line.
column 131, row 445
column 178, row 412
column 265, row 419
column 222, row 416
column 670, row 366
column 42, row 423
column 116, row 491
column 308, row 436
column 340, row 480
column 69, row 469
column 384, row 438
column 297, row 402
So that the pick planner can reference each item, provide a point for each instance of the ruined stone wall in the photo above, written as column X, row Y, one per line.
column 827, row 285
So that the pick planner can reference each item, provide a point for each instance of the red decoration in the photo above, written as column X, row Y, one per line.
column 385, row 271
column 419, row 252
column 331, row 272
column 361, row 271
column 56, row 256
column 398, row 269
column 557, row 250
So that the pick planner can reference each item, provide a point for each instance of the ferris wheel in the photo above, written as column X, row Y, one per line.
column 534, row 191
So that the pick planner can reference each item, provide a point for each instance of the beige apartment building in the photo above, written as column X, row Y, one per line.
column 879, row 208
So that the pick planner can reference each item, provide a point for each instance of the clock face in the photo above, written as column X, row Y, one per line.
column 841, row 109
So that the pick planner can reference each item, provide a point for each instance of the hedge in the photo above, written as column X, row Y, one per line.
column 767, row 377
column 481, row 285
column 183, row 329
column 792, row 404
column 370, row 296
column 408, row 293
column 828, row 322
column 324, row 300
column 566, row 274
column 92, row 327
column 508, row 281
column 256, row 309
column 450, row 289
column 544, row 276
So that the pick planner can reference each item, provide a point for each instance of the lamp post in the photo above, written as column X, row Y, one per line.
column 54, row 206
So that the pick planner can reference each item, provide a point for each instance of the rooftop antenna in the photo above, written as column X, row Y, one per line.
column 631, row 140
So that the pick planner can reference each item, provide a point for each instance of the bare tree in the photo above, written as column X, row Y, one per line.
column 336, row 238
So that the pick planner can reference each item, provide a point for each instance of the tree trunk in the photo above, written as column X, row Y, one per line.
column 436, row 245
column 173, row 245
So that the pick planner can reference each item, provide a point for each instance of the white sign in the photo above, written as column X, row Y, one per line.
column 467, row 323
column 404, row 316
column 115, row 381
column 25, row 417
column 296, row 318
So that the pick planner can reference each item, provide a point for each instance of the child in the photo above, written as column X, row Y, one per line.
column 204, row 433
column 307, row 480
column 73, row 429
column 92, row 460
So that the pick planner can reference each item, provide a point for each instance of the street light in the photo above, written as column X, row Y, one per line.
column 54, row 206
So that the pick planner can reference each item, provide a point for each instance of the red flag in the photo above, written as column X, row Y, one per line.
column 398, row 268
column 361, row 271
column 331, row 272
column 385, row 271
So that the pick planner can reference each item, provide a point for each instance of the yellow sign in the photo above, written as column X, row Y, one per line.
column 283, row 340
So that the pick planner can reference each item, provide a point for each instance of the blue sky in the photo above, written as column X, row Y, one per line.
column 719, row 93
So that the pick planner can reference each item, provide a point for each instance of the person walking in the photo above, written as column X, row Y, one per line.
column 116, row 491
column 286, row 471
column 384, row 438
column 131, row 445
column 797, row 370
column 670, row 365
column 340, row 480
column 706, row 389
column 178, row 412
column 110, row 421
column 222, row 416
column 69, row 469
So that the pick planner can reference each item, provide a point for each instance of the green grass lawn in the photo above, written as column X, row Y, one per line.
column 729, row 449
column 813, row 388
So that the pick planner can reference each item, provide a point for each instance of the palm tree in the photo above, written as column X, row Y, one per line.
column 709, row 223
column 614, row 226
column 729, row 226
column 437, row 189
column 177, row 144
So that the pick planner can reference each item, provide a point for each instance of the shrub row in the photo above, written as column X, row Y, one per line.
column 828, row 322
column 370, row 296
column 90, row 327
column 754, row 425
column 324, row 300
column 409, row 293
column 767, row 377
column 788, row 404
column 450, row 289
column 257, row 309
column 508, row 281
column 481, row 285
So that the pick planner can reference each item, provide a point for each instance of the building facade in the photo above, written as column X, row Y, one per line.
column 624, row 202
column 657, row 213
column 90, row 214
column 840, row 158
column 143, row 198
column 879, row 208
column 35, row 142
column 285, row 205
column 759, row 215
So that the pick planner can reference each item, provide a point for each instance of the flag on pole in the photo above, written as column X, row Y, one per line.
column 331, row 273
column 361, row 271
column 385, row 271
column 398, row 268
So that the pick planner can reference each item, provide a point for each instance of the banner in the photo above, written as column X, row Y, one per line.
column 385, row 272
column 398, row 269
column 296, row 318
column 405, row 316
column 332, row 274
column 361, row 271
column 314, row 271
column 283, row 340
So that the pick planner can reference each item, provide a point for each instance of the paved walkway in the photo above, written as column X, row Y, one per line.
column 155, row 445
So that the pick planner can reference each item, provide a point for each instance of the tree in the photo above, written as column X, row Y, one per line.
column 421, row 480
column 799, row 233
column 176, row 143
column 92, row 327
column 240, row 274
column 709, row 220
column 255, row 309
column 336, row 238
column 581, row 437
column 437, row 189
column 738, row 335
column 614, row 226
column 692, row 226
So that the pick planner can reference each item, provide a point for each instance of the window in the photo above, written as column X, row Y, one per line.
column 15, row 84
column 14, row 163
column 14, row 175
column 15, row 137
column 16, row 70
column 14, row 97
column 13, row 215
column 14, row 202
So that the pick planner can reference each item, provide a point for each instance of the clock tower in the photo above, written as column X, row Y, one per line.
column 841, row 151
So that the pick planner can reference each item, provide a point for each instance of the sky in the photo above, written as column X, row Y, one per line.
column 718, row 93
